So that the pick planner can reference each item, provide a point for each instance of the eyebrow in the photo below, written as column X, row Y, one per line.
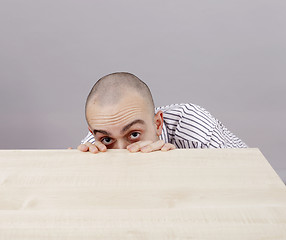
column 124, row 129
column 131, row 124
column 101, row 131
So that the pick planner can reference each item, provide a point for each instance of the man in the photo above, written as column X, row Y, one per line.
column 120, row 115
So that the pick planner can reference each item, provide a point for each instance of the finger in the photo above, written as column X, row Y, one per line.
column 82, row 147
column 92, row 148
column 88, row 147
column 167, row 147
column 135, row 147
column 96, row 147
column 101, row 147
column 153, row 146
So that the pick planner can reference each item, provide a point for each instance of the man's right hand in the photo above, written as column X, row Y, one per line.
column 92, row 147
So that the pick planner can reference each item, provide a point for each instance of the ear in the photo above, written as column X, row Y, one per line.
column 158, row 121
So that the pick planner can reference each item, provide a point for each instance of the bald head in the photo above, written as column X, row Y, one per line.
column 111, row 88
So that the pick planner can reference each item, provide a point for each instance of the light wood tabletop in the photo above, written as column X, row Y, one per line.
column 180, row 194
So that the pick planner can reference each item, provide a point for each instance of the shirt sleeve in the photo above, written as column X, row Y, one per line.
column 89, row 138
column 223, row 138
column 191, row 126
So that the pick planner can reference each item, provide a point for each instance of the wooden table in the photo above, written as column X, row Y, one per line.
column 181, row 194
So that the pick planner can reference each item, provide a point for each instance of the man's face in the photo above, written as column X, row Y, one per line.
column 126, row 122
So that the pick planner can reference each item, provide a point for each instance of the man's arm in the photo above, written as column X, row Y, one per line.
column 191, row 126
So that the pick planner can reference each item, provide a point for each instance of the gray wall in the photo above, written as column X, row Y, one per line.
column 228, row 56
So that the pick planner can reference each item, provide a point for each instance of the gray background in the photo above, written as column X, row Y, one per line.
column 227, row 56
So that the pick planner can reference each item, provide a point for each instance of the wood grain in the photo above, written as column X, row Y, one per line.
column 181, row 194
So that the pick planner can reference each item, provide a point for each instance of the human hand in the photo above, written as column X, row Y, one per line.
column 95, row 147
column 150, row 146
column 143, row 146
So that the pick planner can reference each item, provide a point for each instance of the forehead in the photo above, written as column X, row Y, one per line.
column 127, row 109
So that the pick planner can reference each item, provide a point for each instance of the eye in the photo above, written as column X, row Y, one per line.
column 106, row 140
column 134, row 135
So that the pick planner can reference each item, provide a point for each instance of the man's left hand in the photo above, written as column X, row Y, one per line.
column 149, row 146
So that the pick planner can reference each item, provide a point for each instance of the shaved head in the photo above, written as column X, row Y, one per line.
column 120, row 111
column 110, row 89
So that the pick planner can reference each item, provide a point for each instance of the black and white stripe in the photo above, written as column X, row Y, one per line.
column 191, row 126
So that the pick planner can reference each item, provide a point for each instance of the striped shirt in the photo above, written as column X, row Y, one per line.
column 191, row 126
